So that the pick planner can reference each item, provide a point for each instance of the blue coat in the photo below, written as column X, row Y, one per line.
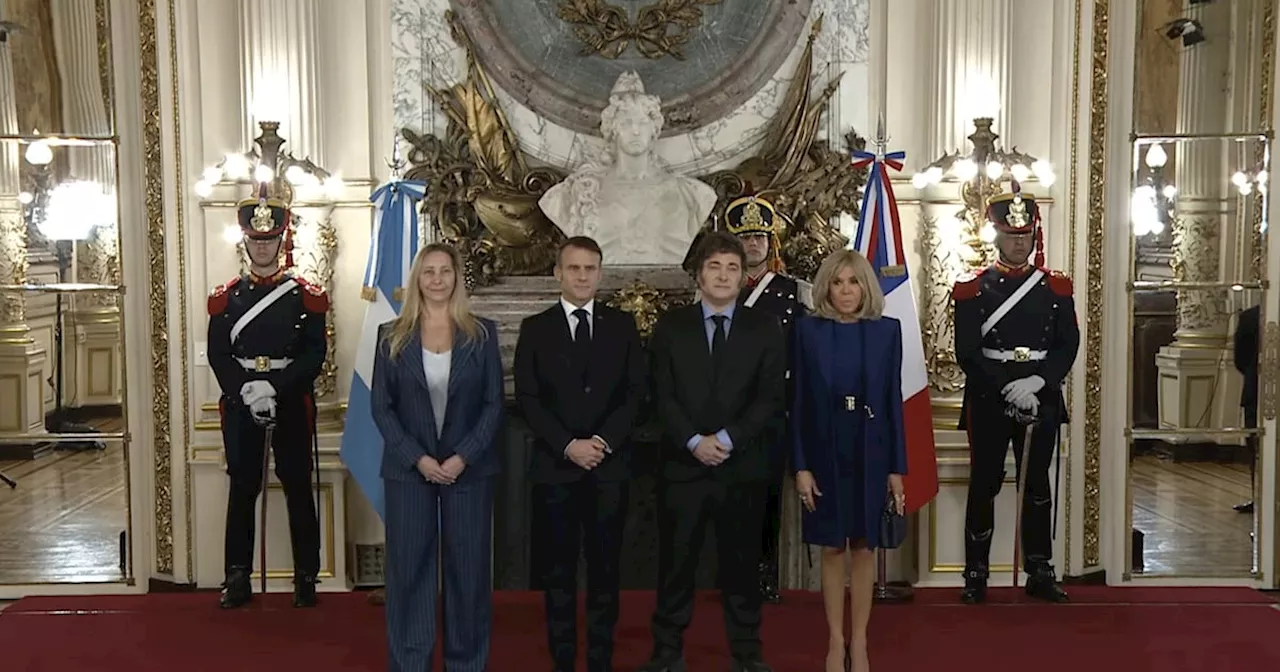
column 401, row 405
column 814, row 414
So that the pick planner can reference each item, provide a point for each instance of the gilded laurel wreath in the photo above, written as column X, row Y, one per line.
column 660, row 29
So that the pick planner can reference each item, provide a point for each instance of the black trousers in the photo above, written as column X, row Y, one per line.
column 684, row 512
column 772, row 531
column 587, row 515
column 244, row 441
column 991, row 433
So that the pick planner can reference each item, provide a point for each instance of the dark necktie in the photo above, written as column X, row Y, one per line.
column 718, row 336
column 582, row 333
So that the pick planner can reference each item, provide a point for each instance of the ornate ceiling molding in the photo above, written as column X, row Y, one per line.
column 783, row 26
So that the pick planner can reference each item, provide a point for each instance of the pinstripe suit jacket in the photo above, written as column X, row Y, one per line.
column 473, row 417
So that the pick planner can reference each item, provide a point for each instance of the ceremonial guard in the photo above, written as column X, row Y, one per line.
column 1016, row 340
column 266, row 348
column 756, row 222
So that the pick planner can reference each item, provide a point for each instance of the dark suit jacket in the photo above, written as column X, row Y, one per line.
column 473, row 416
column 816, row 410
column 1246, row 354
column 560, row 407
column 744, row 397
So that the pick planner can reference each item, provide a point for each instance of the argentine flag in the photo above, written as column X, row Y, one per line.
column 391, row 250
column 879, row 239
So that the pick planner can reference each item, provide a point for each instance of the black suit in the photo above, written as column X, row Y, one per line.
column 566, row 391
column 738, row 390
column 1246, row 361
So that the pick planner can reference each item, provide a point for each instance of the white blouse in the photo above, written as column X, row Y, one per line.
column 436, row 367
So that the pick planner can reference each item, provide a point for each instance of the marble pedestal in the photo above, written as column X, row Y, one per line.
column 1198, row 387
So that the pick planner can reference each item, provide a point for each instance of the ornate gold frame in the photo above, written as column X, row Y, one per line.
column 1094, row 271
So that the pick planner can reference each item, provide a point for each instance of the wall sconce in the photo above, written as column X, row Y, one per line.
column 268, row 164
column 1246, row 182
column 1151, row 208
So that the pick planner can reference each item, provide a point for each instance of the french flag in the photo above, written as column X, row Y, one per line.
column 391, row 250
column 879, row 239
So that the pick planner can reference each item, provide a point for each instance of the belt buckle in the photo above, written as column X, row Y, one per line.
column 850, row 403
column 262, row 364
column 1022, row 354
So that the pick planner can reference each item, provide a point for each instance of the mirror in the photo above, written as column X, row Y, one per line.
column 1199, row 66
column 62, row 352
column 1199, row 228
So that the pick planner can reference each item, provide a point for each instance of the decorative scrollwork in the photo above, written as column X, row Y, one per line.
column 660, row 29
column 645, row 303
column 481, row 186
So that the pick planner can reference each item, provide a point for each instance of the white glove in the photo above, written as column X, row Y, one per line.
column 254, row 390
column 1028, row 405
column 263, row 410
column 1023, row 389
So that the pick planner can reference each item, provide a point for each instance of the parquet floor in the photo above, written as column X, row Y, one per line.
column 63, row 522
column 1185, row 511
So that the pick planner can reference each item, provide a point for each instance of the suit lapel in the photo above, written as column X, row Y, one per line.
column 598, row 356
column 413, row 358
column 463, row 349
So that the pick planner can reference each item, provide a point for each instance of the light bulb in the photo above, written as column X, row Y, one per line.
column 988, row 233
column 295, row 175
column 263, row 173
column 204, row 189
column 39, row 153
column 1239, row 179
column 1246, row 189
column 1048, row 178
column 236, row 166
column 994, row 170
column 212, row 175
column 934, row 174
column 1156, row 157
column 232, row 234
column 1170, row 191
column 964, row 170
column 333, row 186
column 1261, row 177
column 919, row 180
column 1020, row 172
column 26, row 197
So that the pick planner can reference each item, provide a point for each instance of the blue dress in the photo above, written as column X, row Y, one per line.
column 849, row 437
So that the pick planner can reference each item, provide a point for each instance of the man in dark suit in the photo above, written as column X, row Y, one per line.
column 718, row 373
column 579, row 376
column 1246, row 361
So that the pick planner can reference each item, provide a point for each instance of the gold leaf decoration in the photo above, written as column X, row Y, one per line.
column 660, row 29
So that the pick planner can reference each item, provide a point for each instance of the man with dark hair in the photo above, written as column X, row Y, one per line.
column 1246, row 362
column 266, row 348
column 755, row 222
column 718, row 373
column 579, row 375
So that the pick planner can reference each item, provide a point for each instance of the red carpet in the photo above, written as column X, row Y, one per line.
column 1130, row 629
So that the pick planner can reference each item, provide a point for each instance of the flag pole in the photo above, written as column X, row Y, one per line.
column 898, row 591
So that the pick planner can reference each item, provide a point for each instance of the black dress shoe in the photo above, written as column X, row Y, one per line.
column 664, row 664
column 753, row 665
column 1042, row 585
column 236, row 589
column 304, row 591
column 975, row 586
column 1246, row 507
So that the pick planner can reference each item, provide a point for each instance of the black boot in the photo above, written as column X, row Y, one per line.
column 769, row 584
column 1042, row 585
column 975, row 586
column 236, row 589
column 304, row 591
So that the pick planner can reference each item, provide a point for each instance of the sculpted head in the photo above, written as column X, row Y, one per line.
column 632, row 121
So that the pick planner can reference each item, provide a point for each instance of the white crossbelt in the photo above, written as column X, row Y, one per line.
column 759, row 289
column 262, row 364
column 266, row 301
column 1004, row 308
column 1015, row 355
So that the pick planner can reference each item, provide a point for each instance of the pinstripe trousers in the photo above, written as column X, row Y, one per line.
column 418, row 516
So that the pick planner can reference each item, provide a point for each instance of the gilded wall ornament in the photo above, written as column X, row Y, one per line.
column 645, row 304
column 660, row 29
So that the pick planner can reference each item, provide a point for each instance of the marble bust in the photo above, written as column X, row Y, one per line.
column 626, row 198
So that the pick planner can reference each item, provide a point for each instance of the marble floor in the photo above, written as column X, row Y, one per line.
column 1184, row 509
column 63, row 522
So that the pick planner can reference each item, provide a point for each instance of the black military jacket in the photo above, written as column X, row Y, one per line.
column 784, row 298
column 1038, row 335
column 290, row 325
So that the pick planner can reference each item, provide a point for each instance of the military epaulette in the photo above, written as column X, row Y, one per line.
column 220, row 295
column 1060, row 283
column 314, row 298
column 967, row 286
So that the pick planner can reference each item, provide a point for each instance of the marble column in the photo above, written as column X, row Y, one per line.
column 93, row 373
column 1202, row 221
column 280, row 44
column 280, row 48
column 21, row 361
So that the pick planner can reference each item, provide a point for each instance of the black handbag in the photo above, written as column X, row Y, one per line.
column 893, row 526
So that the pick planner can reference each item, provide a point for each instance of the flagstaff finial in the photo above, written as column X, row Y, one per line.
column 881, row 140
column 396, row 163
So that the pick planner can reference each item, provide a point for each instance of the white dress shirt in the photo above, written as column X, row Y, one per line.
column 590, row 307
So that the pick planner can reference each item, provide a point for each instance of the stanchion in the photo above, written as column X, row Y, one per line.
column 897, row 591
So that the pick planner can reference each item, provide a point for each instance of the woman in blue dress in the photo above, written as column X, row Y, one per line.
column 847, row 441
